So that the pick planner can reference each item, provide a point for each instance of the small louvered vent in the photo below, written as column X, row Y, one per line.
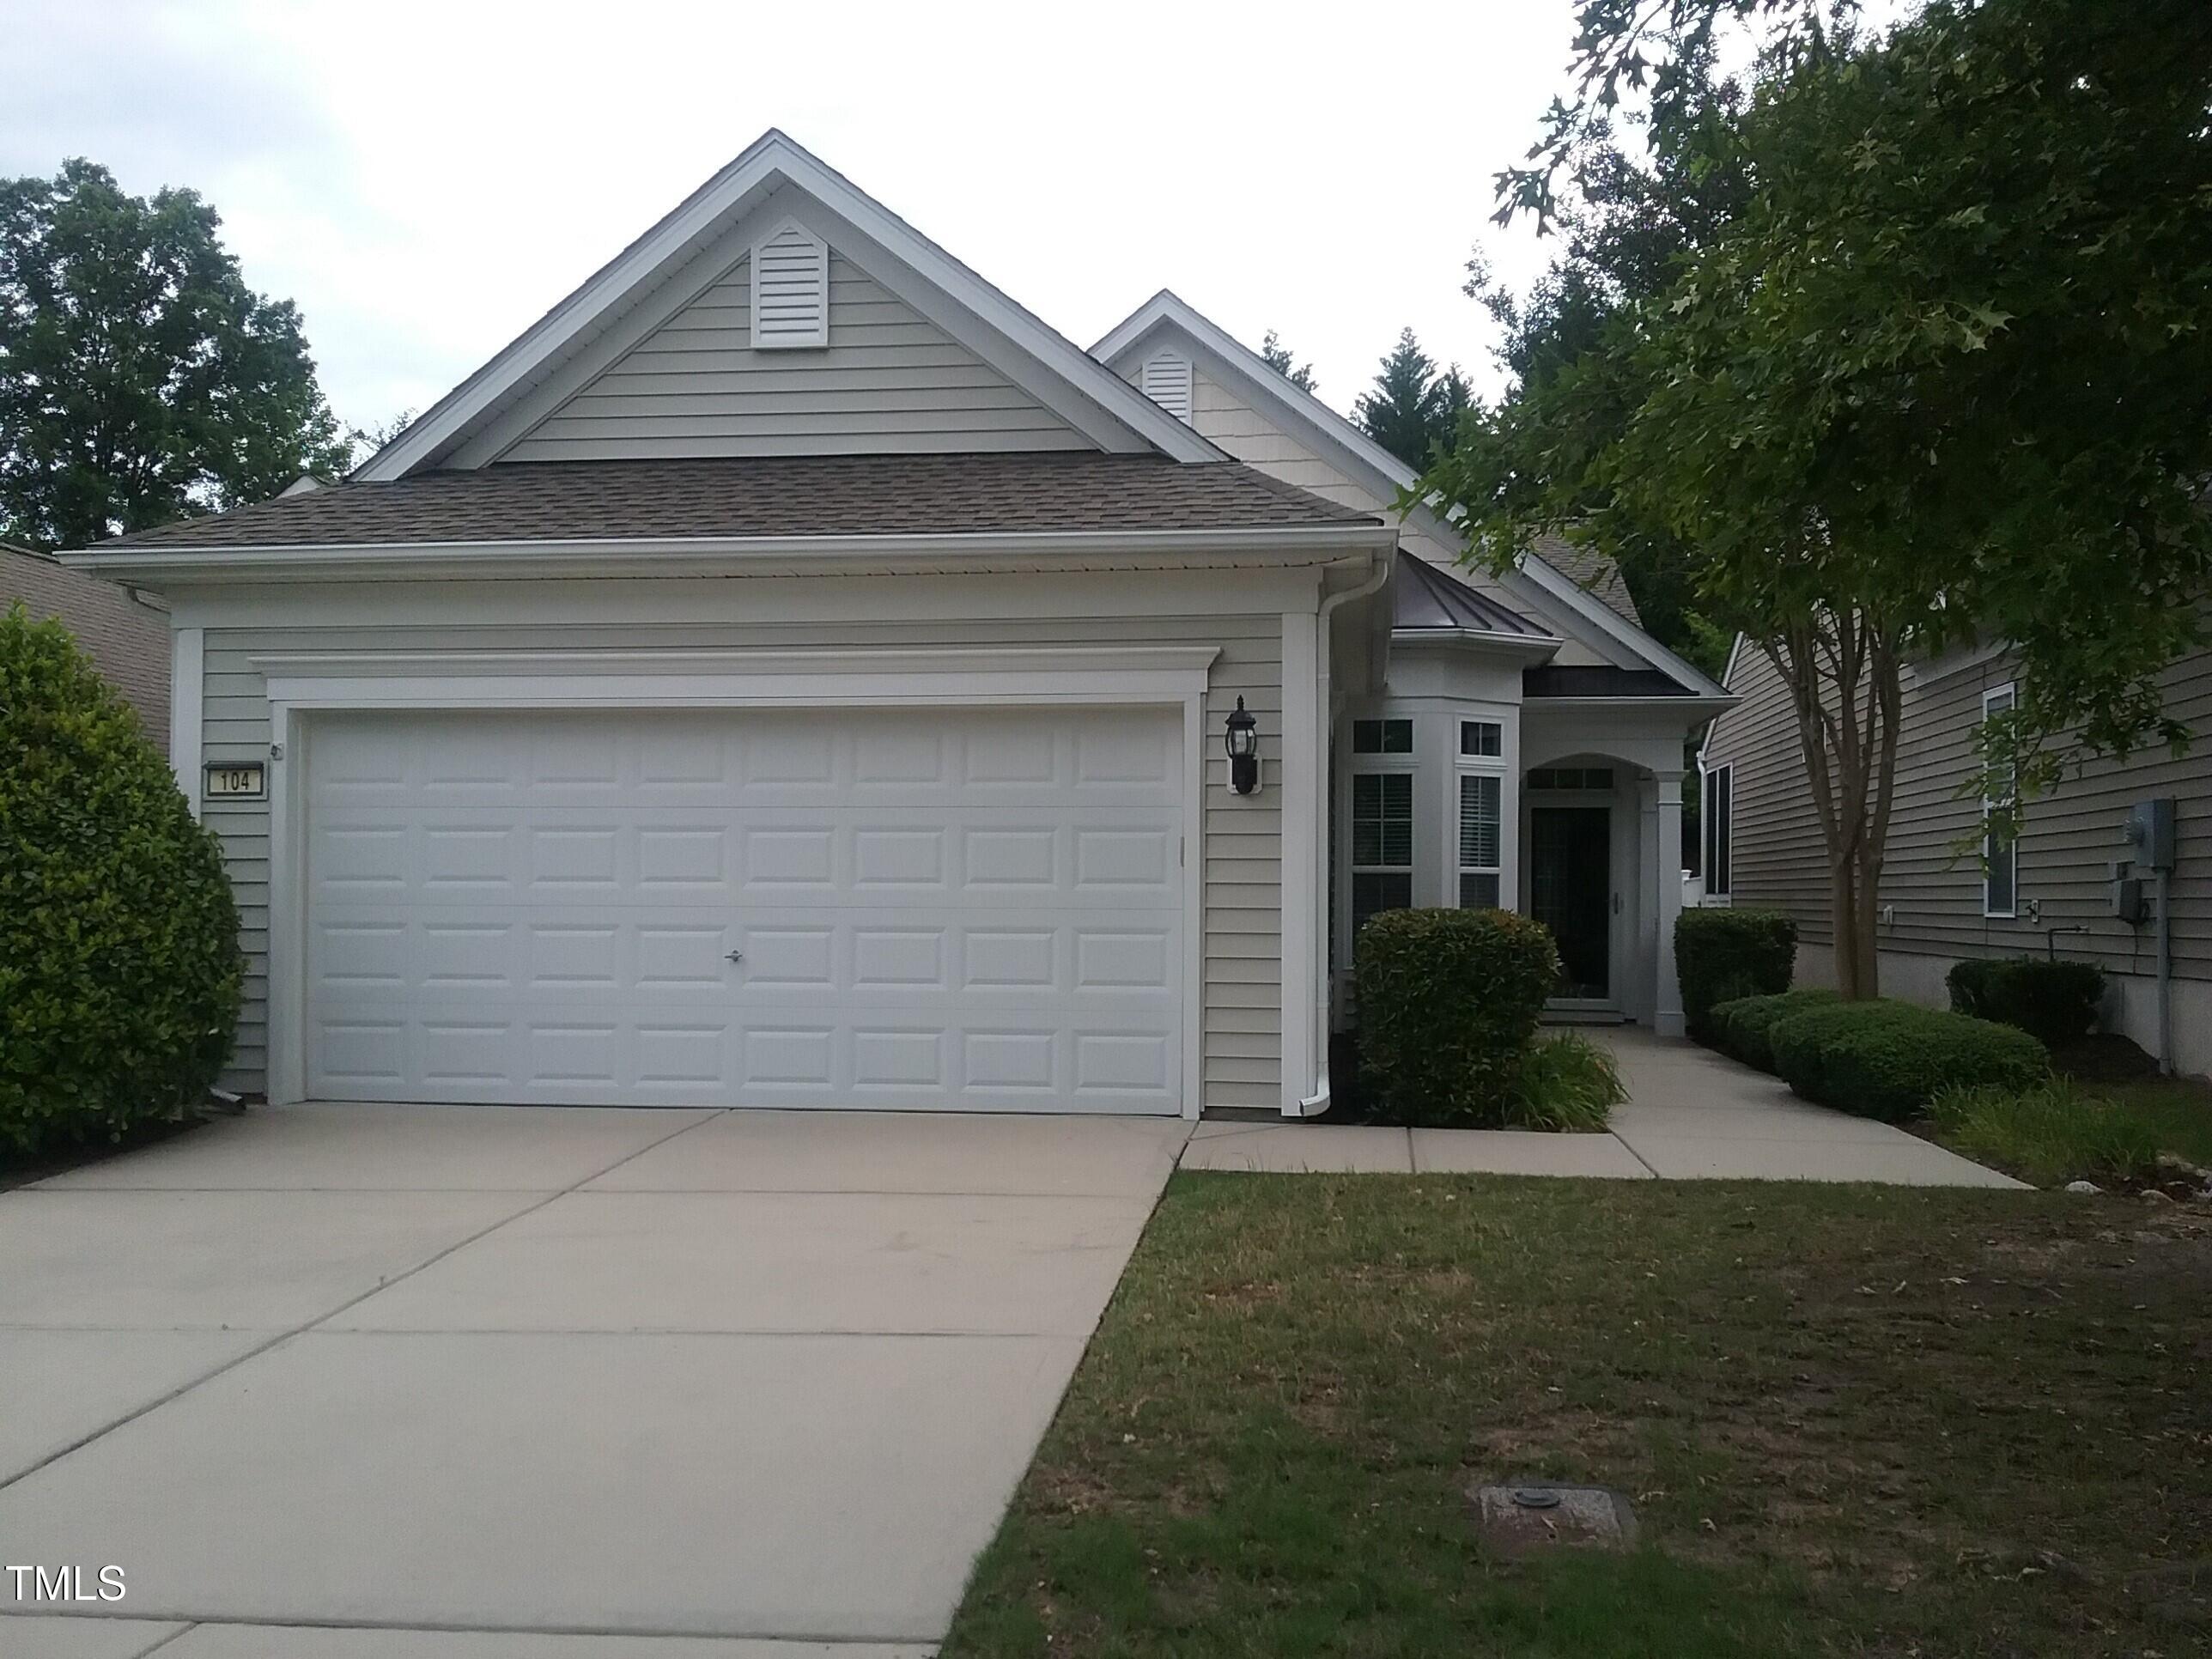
column 791, row 290
column 1167, row 383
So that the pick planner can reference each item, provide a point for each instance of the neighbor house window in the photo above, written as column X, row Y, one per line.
column 1482, row 739
column 1720, row 809
column 1999, row 847
column 1381, row 844
column 1481, row 818
column 1382, row 737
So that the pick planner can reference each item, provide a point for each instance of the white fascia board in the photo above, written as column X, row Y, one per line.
column 704, row 554
column 1728, row 683
column 1383, row 471
column 771, row 158
column 1535, row 648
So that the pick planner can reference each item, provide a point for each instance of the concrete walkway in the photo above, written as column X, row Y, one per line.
column 419, row 1383
column 1690, row 1114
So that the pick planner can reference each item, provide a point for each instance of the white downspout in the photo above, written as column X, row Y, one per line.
column 1318, row 1102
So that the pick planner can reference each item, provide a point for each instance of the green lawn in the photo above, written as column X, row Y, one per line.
column 1854, row 1420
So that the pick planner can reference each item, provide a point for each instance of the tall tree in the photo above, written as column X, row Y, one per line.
column 1943, row 377
column 1413, row 411
column 1278, row 357
column 141, row 380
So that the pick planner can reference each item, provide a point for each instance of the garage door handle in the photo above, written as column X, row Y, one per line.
column 737, row 956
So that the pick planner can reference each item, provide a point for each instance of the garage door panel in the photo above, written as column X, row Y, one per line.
column 542, row 908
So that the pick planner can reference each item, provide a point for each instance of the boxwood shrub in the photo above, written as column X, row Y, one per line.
column 2054, row 1002
column 1888, row 1059
column 1448, row 1002
column 1741, row 1028
column 1722, row 955
column 120, row 963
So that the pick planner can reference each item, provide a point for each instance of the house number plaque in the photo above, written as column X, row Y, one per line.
column 237, row 780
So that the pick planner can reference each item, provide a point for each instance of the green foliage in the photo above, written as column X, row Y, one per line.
column 120, row 963
column 2054, row 1002
column 2048, row 1133
column 1888, row 1059
column 1724, row 954
column 141, row 380
column 1743, row 1029
column 1278, row 357
column 1565, row 1082
column 1413, row 411
column 1448, row 1002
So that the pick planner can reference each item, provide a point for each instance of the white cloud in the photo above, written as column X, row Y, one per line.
column 426, row 179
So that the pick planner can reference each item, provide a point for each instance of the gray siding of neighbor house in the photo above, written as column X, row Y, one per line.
column 888, row 380
column 2069, row 837
column 1240, row 1063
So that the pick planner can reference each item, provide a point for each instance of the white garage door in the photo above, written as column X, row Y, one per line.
column 978, row 910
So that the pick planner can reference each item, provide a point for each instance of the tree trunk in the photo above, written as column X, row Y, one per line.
column 1843, row 675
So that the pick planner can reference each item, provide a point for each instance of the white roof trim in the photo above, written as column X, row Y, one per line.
column 1318, row 421
column 1101, row 405
column 607, row 557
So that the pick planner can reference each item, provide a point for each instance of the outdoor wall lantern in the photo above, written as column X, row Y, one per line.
column 1243, row 742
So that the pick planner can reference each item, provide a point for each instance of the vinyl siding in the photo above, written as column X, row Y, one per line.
column 2069, row 837
column 888, row 381
column 1219, row 414
column 1240, row 1041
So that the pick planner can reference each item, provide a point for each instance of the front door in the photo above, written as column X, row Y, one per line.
column 1571, row 892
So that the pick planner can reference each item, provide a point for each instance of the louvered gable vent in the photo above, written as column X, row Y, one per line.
column 791, row 289
column 1167, row 383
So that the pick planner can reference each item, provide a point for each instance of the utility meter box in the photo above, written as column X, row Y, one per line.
column 2128, row 903
column 2150, row 833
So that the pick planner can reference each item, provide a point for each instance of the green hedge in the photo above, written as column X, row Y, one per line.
column 1888, row 1059
column 1742, row 1029
column 1723, row 955
column 120, row 964
column 2054, row 1002
column 1448, row 1002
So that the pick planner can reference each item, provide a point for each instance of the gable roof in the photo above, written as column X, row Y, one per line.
column 1308, row 416
column 784, row 496
column 1112, row 414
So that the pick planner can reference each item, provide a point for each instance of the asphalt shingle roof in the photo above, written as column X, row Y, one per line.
column 1591, row 571
column 768, row 495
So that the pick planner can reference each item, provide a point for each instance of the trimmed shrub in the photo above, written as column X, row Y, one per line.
column 1723, row 955
column 119, row 964
column 1565, row 1082
column 1888, row 1059
column 1741, row 1028
column 1448, row 1001
column 2054, row 1002
column 2050, row 1134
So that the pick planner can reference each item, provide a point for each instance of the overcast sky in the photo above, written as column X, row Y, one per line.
column 426, row 179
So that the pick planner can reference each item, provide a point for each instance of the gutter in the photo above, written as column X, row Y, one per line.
column 353, row 560
column 1314, row 1104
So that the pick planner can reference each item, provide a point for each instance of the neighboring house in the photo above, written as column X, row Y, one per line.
column 790, row 674
column 2048, row 891
column 126, row 638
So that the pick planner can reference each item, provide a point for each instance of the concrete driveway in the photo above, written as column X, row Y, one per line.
column 335, row 1382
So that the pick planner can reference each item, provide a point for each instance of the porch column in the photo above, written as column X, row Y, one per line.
column 1667, row 998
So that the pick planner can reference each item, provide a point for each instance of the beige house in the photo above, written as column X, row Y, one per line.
column 2053, row 890
column 790, row 674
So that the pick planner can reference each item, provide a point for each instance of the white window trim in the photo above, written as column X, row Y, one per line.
column 1709, row 832
column 1488, row 766
column 300, row 686
column 2008, row 694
